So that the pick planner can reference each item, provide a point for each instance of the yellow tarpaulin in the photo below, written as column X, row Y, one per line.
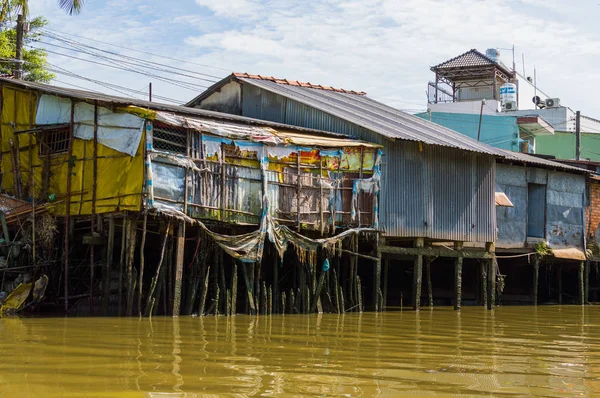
column 120, row 176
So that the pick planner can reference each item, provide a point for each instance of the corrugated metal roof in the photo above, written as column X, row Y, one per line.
column 375, row 116
column 123, row 101
column 535, row 160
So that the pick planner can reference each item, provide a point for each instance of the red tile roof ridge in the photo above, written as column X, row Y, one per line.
column 296, row 83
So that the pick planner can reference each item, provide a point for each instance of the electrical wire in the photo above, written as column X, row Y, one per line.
column 133, row 49
column 189, row 86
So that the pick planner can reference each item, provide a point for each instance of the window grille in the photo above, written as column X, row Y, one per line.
column 54, row 141
column 169, row 138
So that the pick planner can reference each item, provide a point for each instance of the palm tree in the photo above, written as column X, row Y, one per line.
column 71, row 7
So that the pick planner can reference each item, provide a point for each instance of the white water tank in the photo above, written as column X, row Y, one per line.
column 508, row 94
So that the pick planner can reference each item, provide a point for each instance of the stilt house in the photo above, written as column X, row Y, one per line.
column 175, row 186
column 438, row 186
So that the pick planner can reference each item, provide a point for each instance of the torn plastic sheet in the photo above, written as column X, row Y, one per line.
column 227, row 130
column 119, row 131
column 212, row 145
column 53, row 110
column 249, row 247
column 281, row 152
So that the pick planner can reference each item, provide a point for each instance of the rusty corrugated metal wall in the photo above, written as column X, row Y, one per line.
column 427, row 191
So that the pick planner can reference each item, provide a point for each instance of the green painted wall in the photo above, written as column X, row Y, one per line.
column 562, row 145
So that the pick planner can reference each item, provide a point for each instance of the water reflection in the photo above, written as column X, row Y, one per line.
column 528, row 351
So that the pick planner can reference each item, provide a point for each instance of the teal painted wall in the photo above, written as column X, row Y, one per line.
column 562, row 145
column 498, row 131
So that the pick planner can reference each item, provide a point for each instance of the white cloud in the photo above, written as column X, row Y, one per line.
column 384, row 47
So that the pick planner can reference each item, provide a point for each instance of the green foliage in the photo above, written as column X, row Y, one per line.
column 35, row 64
column 543, row 249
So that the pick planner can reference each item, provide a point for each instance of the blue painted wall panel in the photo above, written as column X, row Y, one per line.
column 498, row 131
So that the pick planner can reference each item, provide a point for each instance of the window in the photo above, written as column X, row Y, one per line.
column 536, row 211
column 169, row 139
column 53, row 141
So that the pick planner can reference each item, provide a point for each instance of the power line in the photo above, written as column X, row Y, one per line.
column 136, row 50
column 188, row 86
column 81, row 47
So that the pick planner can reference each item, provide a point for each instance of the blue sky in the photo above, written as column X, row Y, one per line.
column 384, row 47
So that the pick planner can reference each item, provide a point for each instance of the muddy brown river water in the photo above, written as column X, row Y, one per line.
column 547, row 351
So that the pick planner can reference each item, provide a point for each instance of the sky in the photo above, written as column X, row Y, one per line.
column 383, row 47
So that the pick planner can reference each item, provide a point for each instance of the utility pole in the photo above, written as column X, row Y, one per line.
column 578, row 135
column 150, row 92
column 18, row 72
column 480, row 117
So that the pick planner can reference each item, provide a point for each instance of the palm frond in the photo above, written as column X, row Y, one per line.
column 71, row 6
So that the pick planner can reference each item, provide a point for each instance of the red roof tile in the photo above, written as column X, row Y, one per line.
column 297, row 83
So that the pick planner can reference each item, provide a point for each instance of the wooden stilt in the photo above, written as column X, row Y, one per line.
column 360, row 296
column 283, row 298
column 291, row 302
column 194, row 279
column 586, row 294
column 141, row 273
column 249, row 288
column 483, row 279
column 202, row 306
column 336, row 294
column 131, row 241
column 458, row 263
column 560, row 283
column 376, row 283
column 124, row 233
column 536, row 278
column 318, row 291
column 217, row 293
column 386, row 263
column 491, row 287
column 169, row 284
column 159, row 271
column 264, row 298
column 428, row 261
column 234, row 283
column 179, row 268
column 417, row 276
column 276, row 282
column 580, row 283
column 108, row 269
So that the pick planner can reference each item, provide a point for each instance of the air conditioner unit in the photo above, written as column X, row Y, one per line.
column 510, row 106
column 552, row 102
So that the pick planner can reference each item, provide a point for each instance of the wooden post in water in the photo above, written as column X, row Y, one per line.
column 157, row 280
column 560, row 283
column 483, row 265
column 586, row 294
column 131, row 239
column 580, row 283
column 376, row 283
column 536, row 278
column 458, row 263
column 141, row 275
column 386, row 264
column 417, row 275
column 179, row 268
column 124, row 233
column 107, row 270
column 490, row 247
column 234, row 283
column 428, row 262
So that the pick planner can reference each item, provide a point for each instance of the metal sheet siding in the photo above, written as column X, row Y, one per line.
column 437, row 193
